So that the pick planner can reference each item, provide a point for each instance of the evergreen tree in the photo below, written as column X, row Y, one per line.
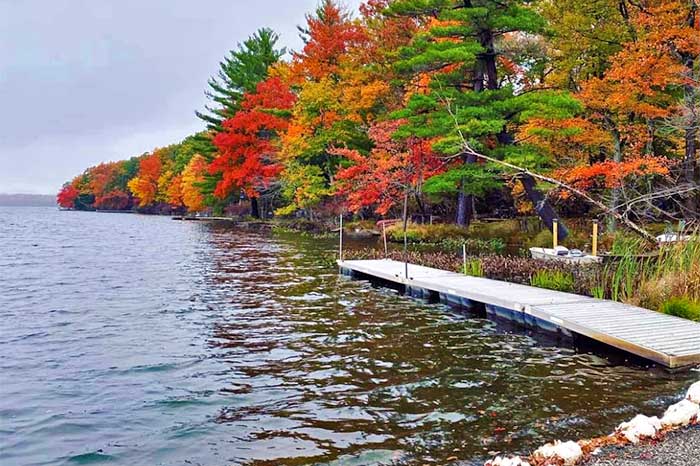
column 240, row 72
column 468, row 95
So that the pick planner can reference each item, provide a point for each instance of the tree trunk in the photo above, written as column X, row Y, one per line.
column 543, row 208
column 465, row 202
column 691, row 167
column 421, row 204
column 615, row 201
column 254, row 207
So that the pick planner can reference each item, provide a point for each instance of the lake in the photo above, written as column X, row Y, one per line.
column 138, row 340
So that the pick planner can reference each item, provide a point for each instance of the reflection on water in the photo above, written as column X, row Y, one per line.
column 139, row 340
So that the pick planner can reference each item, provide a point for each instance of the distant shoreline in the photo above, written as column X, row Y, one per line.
column 27, row 200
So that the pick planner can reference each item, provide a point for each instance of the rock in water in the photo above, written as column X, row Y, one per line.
column 681, row 414
column 640, row 427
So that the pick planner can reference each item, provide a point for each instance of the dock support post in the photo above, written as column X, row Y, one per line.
column 405, row 234
column 386, row 246
column 594, row 246
column 555, row 233
column 340, row 251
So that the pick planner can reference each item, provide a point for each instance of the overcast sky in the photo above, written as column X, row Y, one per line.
column 87, row 81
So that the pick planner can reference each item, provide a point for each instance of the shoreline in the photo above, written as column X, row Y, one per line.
column 679, row 448
column 639, row 441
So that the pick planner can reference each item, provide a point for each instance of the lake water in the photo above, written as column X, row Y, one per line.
column 135, row 340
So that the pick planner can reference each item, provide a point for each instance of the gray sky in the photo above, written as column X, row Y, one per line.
column 87, row 81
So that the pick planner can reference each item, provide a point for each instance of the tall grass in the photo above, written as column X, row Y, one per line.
column 650, row 281
column 553, row 280
column 474, row 267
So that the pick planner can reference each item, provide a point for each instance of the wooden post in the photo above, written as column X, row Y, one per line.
column 594, row 252
column 464, row 258
column 386, row 246
column 555, row 233
column 340, row 252
column 405, row 236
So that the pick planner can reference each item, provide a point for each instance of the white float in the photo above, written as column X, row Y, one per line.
column 640, row 427
column 681, row 414
column 569, row 452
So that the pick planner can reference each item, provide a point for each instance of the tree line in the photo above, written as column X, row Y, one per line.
column 450, row 107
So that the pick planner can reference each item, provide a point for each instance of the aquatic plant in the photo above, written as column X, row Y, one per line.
column 553, row 280
column 474, row 268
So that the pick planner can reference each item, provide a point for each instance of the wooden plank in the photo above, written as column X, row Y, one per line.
column 668, row 340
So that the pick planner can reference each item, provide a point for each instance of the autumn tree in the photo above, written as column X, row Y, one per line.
column 145, row 185
column 336, row 96
column 391, row 171
column 67, row 195
column 247, row 159
column 190, row 185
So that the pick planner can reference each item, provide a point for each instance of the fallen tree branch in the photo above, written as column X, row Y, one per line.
column 467, row 149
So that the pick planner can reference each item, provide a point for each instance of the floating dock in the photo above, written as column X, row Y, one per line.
column 667, row 340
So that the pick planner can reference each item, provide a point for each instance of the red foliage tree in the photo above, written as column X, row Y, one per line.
column 329, row 34
column 247, row 147
column 67, row 195
column 145, row 185
column 393, row 168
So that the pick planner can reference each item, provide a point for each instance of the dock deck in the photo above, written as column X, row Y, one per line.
column 664, row 339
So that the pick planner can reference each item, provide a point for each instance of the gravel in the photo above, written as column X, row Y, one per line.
column 680, row 448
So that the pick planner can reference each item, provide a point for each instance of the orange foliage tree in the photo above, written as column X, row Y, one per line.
column 193, row 176
column 145, row 185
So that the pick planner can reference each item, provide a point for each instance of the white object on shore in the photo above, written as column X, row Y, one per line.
column 681, row 414
column 561, row 253
column 694, row 393
column 640, row 427
column 569, row 452
column 505, row 461
column 672, row 238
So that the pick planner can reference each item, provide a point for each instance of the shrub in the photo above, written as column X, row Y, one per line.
column 475, row 246
column 553, row 280
column 417, row 233
column 447, row 236
column 682, row 307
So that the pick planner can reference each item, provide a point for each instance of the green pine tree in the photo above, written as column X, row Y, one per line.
column 240, row 72
column 468, row 96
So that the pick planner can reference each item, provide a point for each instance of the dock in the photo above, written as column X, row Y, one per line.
column 670, row 341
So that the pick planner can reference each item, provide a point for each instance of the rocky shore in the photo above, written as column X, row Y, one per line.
column 679, row 448
column 672, row 440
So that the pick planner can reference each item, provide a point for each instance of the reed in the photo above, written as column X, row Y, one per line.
column 553, row 280
column 474, row 267
column 651, row 281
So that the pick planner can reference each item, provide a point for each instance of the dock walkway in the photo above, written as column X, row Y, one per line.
column 667, row 340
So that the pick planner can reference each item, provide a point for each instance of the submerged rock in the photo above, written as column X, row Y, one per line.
column 640, row 427
column 694, row 393
column 681, row 414
column 569, row 452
